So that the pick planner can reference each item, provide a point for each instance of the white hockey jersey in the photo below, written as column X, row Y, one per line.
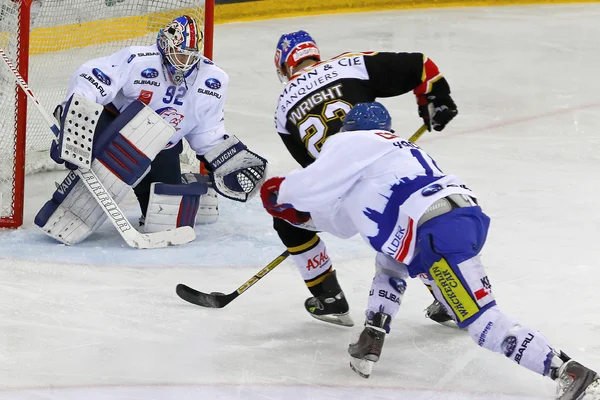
column 373, row 183
column 194, row 108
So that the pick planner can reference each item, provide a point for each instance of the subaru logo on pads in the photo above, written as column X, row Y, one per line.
column 212, row 83
column 102, row 77
column 150, row 73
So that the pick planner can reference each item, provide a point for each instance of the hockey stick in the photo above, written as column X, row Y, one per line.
column 418, row 134
column 220, row 300
column 131, row 236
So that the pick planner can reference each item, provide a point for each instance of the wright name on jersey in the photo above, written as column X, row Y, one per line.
column 315, row 101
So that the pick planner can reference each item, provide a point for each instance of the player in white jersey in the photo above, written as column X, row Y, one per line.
column 189, row 91
column 420, row 221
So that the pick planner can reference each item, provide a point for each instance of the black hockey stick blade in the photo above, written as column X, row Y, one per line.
column 220, row 300
column 210, row 300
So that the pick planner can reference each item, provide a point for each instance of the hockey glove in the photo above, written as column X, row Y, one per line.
column 436, row 111
column 268, row 194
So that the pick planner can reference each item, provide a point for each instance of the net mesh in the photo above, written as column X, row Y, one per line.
column 63, row 35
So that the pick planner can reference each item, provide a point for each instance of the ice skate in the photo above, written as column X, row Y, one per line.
column 367, row 350
column 436, row 312
column 576, row 382
column 331, row 306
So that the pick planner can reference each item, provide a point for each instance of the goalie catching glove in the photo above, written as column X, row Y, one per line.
column 236, row 172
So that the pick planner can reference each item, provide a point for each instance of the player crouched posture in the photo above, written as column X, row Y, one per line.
column 420, row 221
column 317, row 95
column 187, row 91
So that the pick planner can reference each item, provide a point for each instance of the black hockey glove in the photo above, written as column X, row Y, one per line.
column 436, row 110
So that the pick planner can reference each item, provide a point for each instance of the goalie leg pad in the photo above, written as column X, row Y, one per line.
column 116, row 150
column 236, row 172
column 55, row 217
column 73, row 213
column 124, row 160
column 208, row 209
column 165, row 168
column 173, row 206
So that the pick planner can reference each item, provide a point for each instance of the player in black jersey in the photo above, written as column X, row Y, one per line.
column 317, row 96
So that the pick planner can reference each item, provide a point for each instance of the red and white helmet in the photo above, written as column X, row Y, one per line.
column 292, row 49
column 180, row 43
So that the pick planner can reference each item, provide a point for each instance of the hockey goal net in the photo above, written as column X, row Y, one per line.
column 47, row 40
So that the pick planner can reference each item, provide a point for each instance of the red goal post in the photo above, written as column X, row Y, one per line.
column 47, row 40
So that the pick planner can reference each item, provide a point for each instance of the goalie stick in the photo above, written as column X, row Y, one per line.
column 131, row 236
column 220, row 300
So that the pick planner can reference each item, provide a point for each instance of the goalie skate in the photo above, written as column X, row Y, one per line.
column 576, row 382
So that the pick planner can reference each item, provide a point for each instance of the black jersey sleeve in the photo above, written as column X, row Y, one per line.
column 297, row 150
column 393, row 74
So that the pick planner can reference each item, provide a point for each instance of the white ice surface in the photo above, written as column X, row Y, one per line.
column 102, row 321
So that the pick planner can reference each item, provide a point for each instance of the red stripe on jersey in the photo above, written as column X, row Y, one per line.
column 406, row 241
column 430, row 71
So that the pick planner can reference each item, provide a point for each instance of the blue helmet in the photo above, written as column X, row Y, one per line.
column 180, row 43
column 292, row 49
column 367, row 116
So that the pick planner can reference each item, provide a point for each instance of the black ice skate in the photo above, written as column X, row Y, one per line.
column 331, row 306
column 436, row 312
column 367, row 350
column 575, row 382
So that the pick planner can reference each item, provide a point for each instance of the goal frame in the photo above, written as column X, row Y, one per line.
column 22, row 60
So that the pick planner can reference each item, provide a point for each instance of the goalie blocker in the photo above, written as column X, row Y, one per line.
column 120, row 156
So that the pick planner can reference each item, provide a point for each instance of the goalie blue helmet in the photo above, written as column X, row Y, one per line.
column 292, row 49
column 180, row 43
column 367, row 116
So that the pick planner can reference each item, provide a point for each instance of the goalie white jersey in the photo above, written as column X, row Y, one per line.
column 194, row 108
column 373, row 183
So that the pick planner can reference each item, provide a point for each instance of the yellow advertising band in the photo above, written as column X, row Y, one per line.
column 267, row 9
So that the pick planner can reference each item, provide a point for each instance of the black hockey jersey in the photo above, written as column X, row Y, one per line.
column 314, row 102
